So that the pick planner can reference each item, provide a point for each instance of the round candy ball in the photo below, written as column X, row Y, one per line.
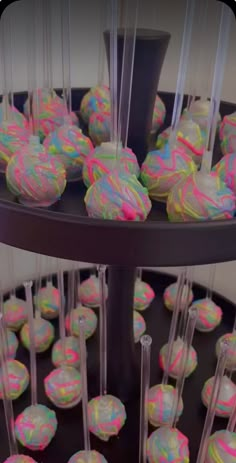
column 63, row 387
column 163, row 169
column 143, row 295
column 228, row 134
column 18, row 379
column 199, row 112
column 100, row 128
column 161, row 401
column 106, row 416
column 226, row 170
column 71, row 147
column 200, row 197
column 35, row 427
column 189, row 137
column 19, row 459
column 167, row 445
column 44, row 335
column 36, row 181
column 92, row 456
column 97, row 100
column 48, row 301
column 231, row 353
column 170, row 296
column 103, row 160
column 221, row 447
column 72, row 321
column 89, row 292
column 159, row 114
column 139, row 326
column 175, row 368
column 118, row 196
column 72, row 353
column 226, row 399
column 12, row 344
column 15, row 313
column 209, row 315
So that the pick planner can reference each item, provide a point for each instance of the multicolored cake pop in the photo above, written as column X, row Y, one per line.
column 89, row 292
column 118, row 196
column 63, row 387
column 82, row 457
column 228, row 134
column 143, row 295
column 72, row 353
column 19, row 459
column 159, row 114
column 35, row 427
column 103, row 160
column 221, row 447
column 97, row 100
column 226, row 399
column 72, row 321
column 167, row 445
column 176, row 366
column 161, row 401
column 18, row 379
column 107, row 416
column 199, row 111
column 231, row 353
column 209, row 315
column 139, row 326
column 170, row 295
column 15, row 313
column 200, row 196
column 43, row 332
column 163, row 169
column 226, row 170
column 100, row 128
column 12, row 344
column 48, row 301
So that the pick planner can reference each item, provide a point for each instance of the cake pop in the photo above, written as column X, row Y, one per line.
column 48, row 301
column 159, row 114
column 68, row 144
column 35, row 427
column 139, row 326
column 228, row 134
column 167, row 445
column 209, row 314
column 97, row 100
column 43, row 335
column 63, row 387
column 226, row 398
column 143, row 295
column 221, row 447
column 12, row 344
column 18, row 379
column 199, row 111
column 163, row 169
column 163, row 138
column 176, row 359
column 103, row 160
column 226, row 170
column 106, row 415
column 82, row 457
column 161, row 401
column 118, row 196
column 19, row 459
column 72, row 354
column 15, row 313
column 231, row 354
column 170, row 295
column 72, row 321
column 89, row 292
column 200, row 196
column 100, row 127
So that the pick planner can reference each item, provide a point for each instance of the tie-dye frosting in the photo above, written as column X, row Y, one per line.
column 167, row 445
column 91, row 456
column 231, row 352
column 199, row 112
column 118, row 196
column 71, row 355
column 163, row 169
column 143, row 295
column 35, row 427
column 89, row 292
column 226, row 169
column 159, row 114
column 161, row 402
column 200, row 197
column 18, row 379
column 12, row 344
column 175, row 367
column 100, row 127
column 226, row 399
column 15, row 313
column 139, row 326
column 228, row 134
column 102, row 161
column 170, row 295
column 221, row 447
column 44, row 335
column 48, row 301
column 209, row 314
column 90, row 321
column 63, row 387
column 19, row 459
column 97, row 100
column 106, row 416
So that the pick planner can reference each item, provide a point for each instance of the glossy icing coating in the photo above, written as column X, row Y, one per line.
column 72, row 321
column 167, row 445
column 221, row 447
column 15, row 313
column 175, row 367
column 35, row 427
column 96, row 100
column 72, row 352
column 161, row 401
column 63, row 387
column 199, row 112
column 209, row 314
column 226, row 399
column 89, row 292
column 107, row 416
column 170, row 295
column 143, row 295
column 44, row 335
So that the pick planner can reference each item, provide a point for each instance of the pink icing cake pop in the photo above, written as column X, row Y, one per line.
column 163, row 169
column 18, row 379
column 63, row 387
column 103, row 160
column 176, row 359
column 228, row 134
column 159, row 114
column 167, row 445
column 139, row 326
column 118, row 196
column 170, row 295
column 226, row 169
column 12, row 344
column 161, row 401
column 35, row 427
column 231, row 353
column 143, row 295
column 89, row 292
column 99, row 127
column 97, row 100
column 15, row 313
column 209, row 315
column 48, row 301
column 107, row 416
column 44, row 335
column 226, row 399
column 72, row 321
column 221, row 447
column 200, row 196
column 82, row 457
column 71, row 355
column 19, row 459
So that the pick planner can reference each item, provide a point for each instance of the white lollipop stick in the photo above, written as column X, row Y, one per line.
column 83, row 369
column 103, row 329
column 66, row 61
column 101, row 59
column 212, row 273
column 139, row 273
column 71, row 297
column 47, row 44
column 33, row 365
column 60, row 279
column 113, row 70
column 185, row 313
column 146, row 342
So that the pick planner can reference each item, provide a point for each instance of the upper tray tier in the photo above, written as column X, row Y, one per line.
column 66, row 231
